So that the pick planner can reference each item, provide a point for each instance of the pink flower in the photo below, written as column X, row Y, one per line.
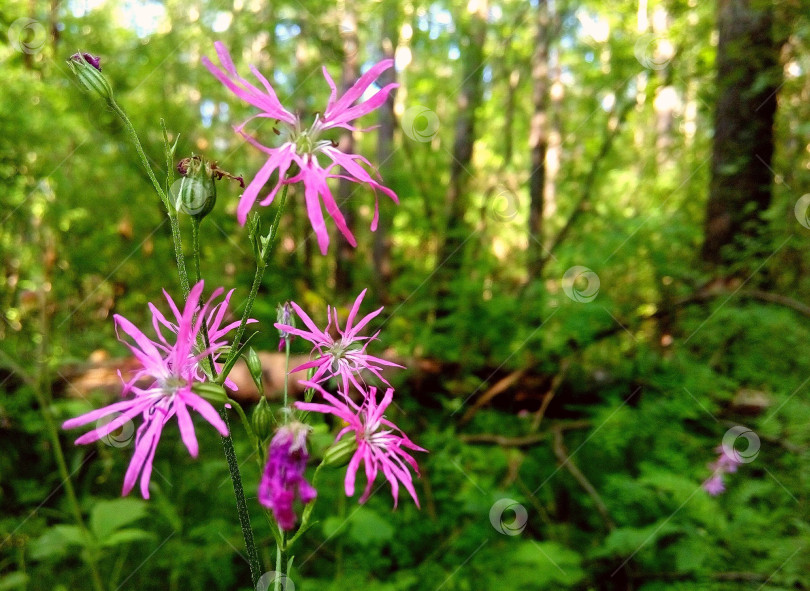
column 714, row 485
column 216, row 332
column 302, row 145
column 381, row 445
column 174, row 367
column 728, row 460
column 345, row 357
column 727, row 463
column 283, row 476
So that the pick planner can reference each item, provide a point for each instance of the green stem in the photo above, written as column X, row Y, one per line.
column 286, row 373
column 173, row 222
column 133, row 136
column 281, row 562
column 261, row 265
column 195, row 249
column 227, row 441
column 245, row 422
column 241, row 504
column 307, row 511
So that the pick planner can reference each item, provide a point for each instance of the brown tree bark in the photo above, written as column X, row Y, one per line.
column 748, row 78
column 538, row 138
column 385, row 149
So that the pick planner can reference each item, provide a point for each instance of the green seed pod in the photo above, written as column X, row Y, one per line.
column 210, row 391
column 262, row 420
column 87, row 69
column 340, row 453
column 254, row 365
column 195, row 193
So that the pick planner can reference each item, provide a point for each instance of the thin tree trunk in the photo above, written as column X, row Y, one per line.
column 538, row 139
column 344, row 254
column 469, row 98
column 385, row 149
column 748, row 78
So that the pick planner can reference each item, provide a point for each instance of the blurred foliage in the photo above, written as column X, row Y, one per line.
column 653, row 375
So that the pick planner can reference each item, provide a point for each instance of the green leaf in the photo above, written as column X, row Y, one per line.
column 57, row 541
column 125, row 536
column 13, row 581
column 108, row 516
column 368, row 527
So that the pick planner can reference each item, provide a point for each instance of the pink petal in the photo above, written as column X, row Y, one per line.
column 355, row 309
column 208, row 412
column 351, row 472
column 186, row 428
column 145, row 344
column 335, row 109
column 94, row 415
column 143, row 450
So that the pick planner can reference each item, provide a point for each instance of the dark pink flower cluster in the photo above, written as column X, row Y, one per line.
column 283, row 477
column 381, row 445
column 725, row 464
column 172, row 365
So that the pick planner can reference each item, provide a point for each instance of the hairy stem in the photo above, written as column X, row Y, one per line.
column 261, row 265
column 164, row 197
column 241, row 504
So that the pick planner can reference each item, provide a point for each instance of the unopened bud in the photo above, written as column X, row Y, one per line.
column 284, row 315
column 87, row 69
column 262, row 420
column 254, row 365
column 339, row 454
column 210, row 391
column 195, row 193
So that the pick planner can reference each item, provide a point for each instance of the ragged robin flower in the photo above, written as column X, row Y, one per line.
column 303, row 148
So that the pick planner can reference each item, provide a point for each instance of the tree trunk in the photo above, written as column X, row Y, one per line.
column 469, row 98
column 385, row 150
column 748, row 78
column 344, row 257
column 538, row 139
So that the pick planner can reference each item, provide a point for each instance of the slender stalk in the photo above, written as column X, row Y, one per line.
column 173, row 222
column 261, row 265
column 241, row 504
column 227, row 441
column 195, row 249
column 281, row 563
column 245, row 422
column 286, row 373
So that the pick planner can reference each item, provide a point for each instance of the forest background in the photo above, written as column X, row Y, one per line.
column 597, row 269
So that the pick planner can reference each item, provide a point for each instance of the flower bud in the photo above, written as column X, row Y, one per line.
column 196, row 192
column 87, row 69
column 254, row 365
column 262, row 420
column 210, row 391
column 339, row 454
column 285, row 316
